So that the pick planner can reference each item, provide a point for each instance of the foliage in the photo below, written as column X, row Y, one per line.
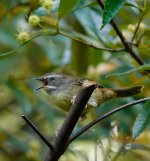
column 142, row 120
column 110, row 10
column 65, row 7
column 68, row 39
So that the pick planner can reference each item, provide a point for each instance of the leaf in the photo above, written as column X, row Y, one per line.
column 89, row 26
column 142, row 120
column 87, row 3
column 65, row 7
column 139, row 69
column 132, row 5
column 41, row 11
column 110, row 10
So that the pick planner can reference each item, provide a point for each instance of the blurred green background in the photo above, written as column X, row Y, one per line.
column 61, row 54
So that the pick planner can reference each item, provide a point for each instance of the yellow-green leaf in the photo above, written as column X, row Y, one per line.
column 142, row 120
column 110, row 10
column 66, row 6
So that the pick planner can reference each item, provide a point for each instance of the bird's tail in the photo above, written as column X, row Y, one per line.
column 126, row 92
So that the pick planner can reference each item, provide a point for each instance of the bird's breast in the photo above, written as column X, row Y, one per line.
column 63, row 98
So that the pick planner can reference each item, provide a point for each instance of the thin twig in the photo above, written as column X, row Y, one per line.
column 88, row 126
column 38, row 132
column 89, row 44
column 13, row 52
column 138, row 26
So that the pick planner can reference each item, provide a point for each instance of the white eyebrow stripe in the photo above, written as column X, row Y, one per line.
column 51, row 87
column 52, row 76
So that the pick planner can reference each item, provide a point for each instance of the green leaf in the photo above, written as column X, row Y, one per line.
column 65, row 7
column 139, row 69
column 41, row 11
column 87, row 3
column 132, row 5
column 110, row 10
column 89, row 26
column 142, row 120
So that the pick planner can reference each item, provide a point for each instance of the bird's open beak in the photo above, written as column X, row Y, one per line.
column 39, row 88
column 44, row 81
column 45, row 84
column 39, row 79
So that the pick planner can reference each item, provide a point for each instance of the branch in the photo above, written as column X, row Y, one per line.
column 62, row 138
column 38, row 132
column 89, row 44
column 128, row 46
column 88, row 126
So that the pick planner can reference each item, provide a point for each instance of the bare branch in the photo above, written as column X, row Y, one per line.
column 88, row 126
column 89, row 44
column 38, row 132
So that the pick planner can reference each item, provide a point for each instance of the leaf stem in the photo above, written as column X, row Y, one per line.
column 138, row 25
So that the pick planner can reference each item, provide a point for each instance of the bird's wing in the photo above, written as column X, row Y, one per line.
column 79, row 81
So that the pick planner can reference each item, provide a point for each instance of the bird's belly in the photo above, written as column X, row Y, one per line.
column 63, row 99
column 64, row 104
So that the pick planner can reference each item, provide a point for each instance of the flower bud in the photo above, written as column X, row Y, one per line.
column 131, row 27
column 23, row 36
column 142, row 26
column 34, row 20
column 48, row 4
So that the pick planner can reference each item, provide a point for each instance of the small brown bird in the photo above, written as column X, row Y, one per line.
column 63, row 89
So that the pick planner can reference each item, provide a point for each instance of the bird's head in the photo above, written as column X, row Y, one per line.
column 53, row 82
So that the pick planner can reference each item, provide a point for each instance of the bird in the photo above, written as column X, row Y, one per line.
column 63, row 89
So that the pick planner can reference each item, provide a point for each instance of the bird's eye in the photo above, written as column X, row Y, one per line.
column 52, row 79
